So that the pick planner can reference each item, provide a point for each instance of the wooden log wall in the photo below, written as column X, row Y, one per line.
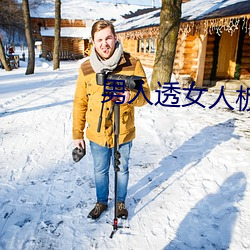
column 47, row 45
column 186, row 55
column 66, row 44
column 146, row 59
column 73, row 45
column 209, row 57
column 50, row 22
column 190, row 56
column 79, row 46
column 178, row 61
column 131, row 46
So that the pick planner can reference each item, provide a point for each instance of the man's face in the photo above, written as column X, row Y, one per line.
column 104, row 42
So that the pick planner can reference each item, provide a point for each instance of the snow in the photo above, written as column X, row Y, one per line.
column 189, row 172
column 145, row 20
column 156, row 3
column 84, row 33
column 86, row 10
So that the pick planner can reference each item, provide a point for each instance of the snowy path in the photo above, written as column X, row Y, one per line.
column 188, row 184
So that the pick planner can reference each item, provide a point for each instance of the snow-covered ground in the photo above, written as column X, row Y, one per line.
column 189, row 172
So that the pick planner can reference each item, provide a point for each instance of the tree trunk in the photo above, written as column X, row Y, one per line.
column 28, row 33
column 3, row 57
column 56, row 59
column 168, row 34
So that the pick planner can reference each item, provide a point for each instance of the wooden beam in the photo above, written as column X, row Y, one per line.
column 201, row 60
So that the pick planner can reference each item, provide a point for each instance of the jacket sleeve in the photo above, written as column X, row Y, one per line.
column 140, row 100
column 80, row 105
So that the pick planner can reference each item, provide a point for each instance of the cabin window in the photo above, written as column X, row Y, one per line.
column 139, row 46
column 146, row 45
column 152, row 45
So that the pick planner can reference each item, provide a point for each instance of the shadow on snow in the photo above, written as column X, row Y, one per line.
column 191, row 152
column 209, row 225
column 23, row 110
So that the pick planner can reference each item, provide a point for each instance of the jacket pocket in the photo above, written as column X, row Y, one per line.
column 127, row 120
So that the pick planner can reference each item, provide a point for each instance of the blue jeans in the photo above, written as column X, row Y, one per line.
column 102, row 158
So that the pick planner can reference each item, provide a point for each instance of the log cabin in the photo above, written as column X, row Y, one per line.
column 77, row 19
column 213, row 41
column 74, row 37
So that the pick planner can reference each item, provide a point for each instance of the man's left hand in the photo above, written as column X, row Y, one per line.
column 122, row 98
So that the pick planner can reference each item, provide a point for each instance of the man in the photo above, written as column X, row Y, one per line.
column 107, row 54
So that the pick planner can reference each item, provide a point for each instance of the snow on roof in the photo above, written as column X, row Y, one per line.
column 85, row 10
column 145, row 20
column 197, row 9
column 79, row 32
column 192, row 10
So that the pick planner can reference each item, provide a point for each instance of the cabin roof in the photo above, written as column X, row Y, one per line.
column 76, row 32
column 193, row 10
column 208, row 9
column 84, row 10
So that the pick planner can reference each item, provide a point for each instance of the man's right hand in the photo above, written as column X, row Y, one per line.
column 78, row 152
column 79, row 143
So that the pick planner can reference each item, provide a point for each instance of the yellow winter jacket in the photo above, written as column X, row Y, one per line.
column 88, row 101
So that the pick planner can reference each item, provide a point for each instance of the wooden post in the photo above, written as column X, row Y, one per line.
column 201, row 60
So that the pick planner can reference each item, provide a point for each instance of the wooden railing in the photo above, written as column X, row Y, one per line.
column 64, row 55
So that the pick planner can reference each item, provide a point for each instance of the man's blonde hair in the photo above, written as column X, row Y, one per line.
column 101, row 24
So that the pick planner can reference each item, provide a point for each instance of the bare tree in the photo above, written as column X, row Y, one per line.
column 3, row 57
column 28, row 33
column 11, row 24
column 11, row 16
column 168, row 34
column 56, row 59
column 36, row 3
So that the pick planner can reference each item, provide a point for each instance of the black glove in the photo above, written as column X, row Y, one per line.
column 78, row 153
